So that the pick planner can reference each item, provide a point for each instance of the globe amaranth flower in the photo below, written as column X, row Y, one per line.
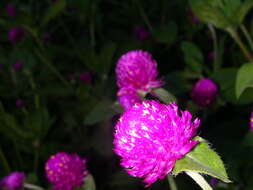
column 86, row 77
column 138, row 70
column 150, row 138
column 16, row 34
column 127, row 97
column 18, row 65
column 11, row 10
column 141, row 33
column 204, row 92
column 14, row 181
column 66, row 171
column 251, row 122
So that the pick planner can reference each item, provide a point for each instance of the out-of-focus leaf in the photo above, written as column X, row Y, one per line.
column 164, row 95
column 102, row 111
column 193, row 57
column 89, row 183
column 54, row 11
column 243, row 10
column 166, row 33
column 210, row 12
column 106, row 56
column 204, row 160
column 244, row 78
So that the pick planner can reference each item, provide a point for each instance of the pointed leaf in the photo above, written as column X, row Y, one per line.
column 54, row 11
column 244, row 78
column 193, row 57
column 243, row 10
column 102, row 111
column 210, row 12
column 204, row 160
column 164, row 95
column 89, row 183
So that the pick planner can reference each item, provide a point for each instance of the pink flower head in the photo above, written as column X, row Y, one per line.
column 18, row 65
column 85, row 77
column 16, row 34
column 150, row 138
column 11, row 10
column 14, row 181
column 141, row 33
column 204, row 92
column 138, row 70
column 128, row 97
column 251, row 122
column 66, row 171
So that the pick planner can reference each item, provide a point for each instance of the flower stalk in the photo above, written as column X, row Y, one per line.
column 199, row 179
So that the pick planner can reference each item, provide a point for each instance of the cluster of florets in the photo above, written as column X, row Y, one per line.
column 136, row 72
column 14, row 181
column 204, row 92
column 150, row 138
column 66, row 171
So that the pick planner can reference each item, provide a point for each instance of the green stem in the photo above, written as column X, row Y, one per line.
column 33, row 86
column 215, row 46
column 4, row 162
column 199, row 179
column 33, row 187
column 144, row 16
column 52, row 68
column 44, row 59
column 238, row 40
column 172, row 183
column 247, row 35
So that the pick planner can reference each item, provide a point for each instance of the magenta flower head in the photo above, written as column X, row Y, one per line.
column 18, row 65
column 16, row 34
column 141, row 33
column 11, row 10
column 66, row 171
column 127, row 97
column 204, row 92
column 85, row 77
column 14, row 181
column 20, row 103
column 251, row 122
column 150, row 138
column 138, row 70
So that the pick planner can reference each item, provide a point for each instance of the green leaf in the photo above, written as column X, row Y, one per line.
column 54, row 11
column 244, row 78
column 89, row 183
column 102, row 111
column 166, row 33
column 164, row 95
column 243, row 10
column 210, row 11
column 204, row 160
column 193, row 57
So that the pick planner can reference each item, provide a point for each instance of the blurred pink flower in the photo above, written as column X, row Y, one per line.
column 141, row 33
column 150, row 138
column 127, row 97
column 16, row 34
column 18, row 65
column 66, row 171
column 14, row 181
column 20, row 103
column 11, row 10
column 86, row 77
column 251, row 122
column 204, row 92
column 137, row 70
